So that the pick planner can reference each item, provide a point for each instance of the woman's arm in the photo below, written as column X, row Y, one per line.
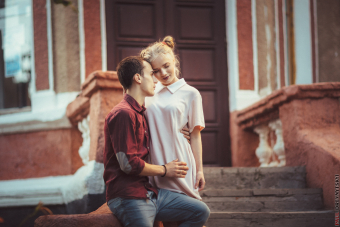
column 196, row 146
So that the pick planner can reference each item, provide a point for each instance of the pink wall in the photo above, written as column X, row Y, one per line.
column 40, row 154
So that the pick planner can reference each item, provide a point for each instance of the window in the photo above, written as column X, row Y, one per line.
column 15, row 53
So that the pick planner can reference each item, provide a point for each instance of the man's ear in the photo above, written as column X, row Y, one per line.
column 137, row 78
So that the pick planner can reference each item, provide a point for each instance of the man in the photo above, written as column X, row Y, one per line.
column 130, row 196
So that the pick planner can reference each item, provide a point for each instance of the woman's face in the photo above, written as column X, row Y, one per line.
column 164, row 69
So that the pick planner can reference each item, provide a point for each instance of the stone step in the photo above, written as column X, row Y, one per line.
column 263, row 200
column 269, row 219
column 255, row 177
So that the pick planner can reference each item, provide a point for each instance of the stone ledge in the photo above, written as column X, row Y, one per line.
column 98, row 218
column 34, row 126
column 78, row 109
column 100, row 80
column 83, row 220
column 259, row 192
column 270, row 215
column 267, row 108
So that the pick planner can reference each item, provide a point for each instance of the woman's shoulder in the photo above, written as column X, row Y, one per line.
column 191, row 90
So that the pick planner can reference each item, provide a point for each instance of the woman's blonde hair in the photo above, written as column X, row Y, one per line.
column 167, row 46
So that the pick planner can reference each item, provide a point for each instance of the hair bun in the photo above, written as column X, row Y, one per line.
column 169, row 41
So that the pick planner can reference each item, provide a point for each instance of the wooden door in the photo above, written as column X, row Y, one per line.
column 199, row 31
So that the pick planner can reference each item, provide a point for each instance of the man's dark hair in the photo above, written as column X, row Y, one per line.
column 127, row 68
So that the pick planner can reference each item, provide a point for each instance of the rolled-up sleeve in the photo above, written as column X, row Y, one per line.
column 122, row 129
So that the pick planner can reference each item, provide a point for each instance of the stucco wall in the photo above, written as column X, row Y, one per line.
column 39, row 154
column 311, row 132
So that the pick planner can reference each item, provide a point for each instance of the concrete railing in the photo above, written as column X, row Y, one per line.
column 298, row 125
column 100, row 92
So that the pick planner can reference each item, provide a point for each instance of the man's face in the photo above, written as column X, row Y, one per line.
column 148, row 80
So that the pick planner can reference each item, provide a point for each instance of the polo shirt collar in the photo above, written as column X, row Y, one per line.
column 173, row 87
column 134, row 104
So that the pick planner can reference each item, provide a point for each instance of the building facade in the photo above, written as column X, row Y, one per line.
column 235, row 52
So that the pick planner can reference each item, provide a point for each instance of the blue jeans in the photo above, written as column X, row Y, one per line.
column 168, row 206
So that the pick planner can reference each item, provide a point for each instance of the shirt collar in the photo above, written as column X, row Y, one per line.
column 134, row 104
column 172, row 88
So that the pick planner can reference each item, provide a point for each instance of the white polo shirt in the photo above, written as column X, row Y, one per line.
column 168, row 111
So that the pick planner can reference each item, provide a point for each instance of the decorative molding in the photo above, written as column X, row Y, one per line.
column 35, row 126
column 279, row 147
column 263, row 151
column 84, row 128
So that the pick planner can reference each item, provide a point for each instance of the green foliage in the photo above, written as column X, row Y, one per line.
column 39, row 207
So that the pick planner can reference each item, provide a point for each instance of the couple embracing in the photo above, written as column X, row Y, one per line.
column 151, row 172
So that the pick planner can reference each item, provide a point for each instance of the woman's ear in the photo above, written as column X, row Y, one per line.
column 137, row 78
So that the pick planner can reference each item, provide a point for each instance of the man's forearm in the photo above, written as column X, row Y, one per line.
column 172, row 169
column 152, row 170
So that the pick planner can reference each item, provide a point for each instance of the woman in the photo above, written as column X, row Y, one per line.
column 174, row 105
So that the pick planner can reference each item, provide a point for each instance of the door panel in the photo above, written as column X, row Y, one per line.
column 199, row 31
column 197, row 65
column 194, row 23
column 209, row 146
column 126, row 51
column 209, row 106
column 132, row 16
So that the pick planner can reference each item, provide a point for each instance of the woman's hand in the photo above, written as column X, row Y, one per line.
column 186, row 133
column 200, row 181
column 176, row 169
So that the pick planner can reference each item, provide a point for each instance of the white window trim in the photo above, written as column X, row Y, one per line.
column 103, row 34
column 50, row 45
column 81, row 41
column 277, row 46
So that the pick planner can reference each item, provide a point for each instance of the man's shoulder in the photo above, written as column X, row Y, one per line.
column 121, row 111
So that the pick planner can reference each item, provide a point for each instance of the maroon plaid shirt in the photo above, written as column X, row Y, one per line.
column 126, row 150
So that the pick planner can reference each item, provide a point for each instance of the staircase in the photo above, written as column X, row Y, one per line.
column 266, row 197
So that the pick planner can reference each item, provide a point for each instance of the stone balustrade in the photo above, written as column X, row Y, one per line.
column 298, row 125
column 270, row 154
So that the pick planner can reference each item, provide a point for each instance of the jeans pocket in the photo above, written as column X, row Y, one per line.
column 114, row 204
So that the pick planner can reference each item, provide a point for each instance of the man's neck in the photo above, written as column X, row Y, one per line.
column 137, row 95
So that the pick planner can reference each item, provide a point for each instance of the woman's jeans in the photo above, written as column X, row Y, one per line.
column 168, row 206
